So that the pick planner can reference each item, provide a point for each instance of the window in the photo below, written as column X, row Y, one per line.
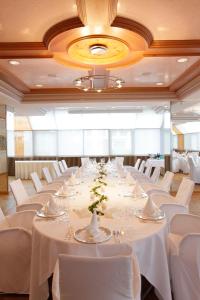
column 70, row 143
column 120, row 142
column 96, row 142
column 147, row 141
column 45, row 143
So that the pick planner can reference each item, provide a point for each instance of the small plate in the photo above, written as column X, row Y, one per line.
column 139, row 214
column 81, row 236
column 41, row 213
column 64, row 195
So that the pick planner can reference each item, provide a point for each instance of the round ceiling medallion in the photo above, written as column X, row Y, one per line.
column 97, row 50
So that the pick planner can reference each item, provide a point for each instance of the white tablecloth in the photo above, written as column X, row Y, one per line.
column 155, row 162
column 147, row 239
column 23, row 168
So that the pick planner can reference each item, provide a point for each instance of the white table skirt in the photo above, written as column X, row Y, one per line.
column 147, row 239
column 155, row 163
column 23, row 168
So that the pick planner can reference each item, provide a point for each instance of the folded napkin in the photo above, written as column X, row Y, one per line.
column 72, row 179
column 51, row 207
column 78, row 173
column 93, row 229
column 151, row 209
column 122, row 172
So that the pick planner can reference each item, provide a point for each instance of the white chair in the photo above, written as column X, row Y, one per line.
column 147, row 171
column 49, row 188
column 183, row 196
column 171, row 209
column 137, row 164
column 141, row 167
column 184, row 250
column 184, row 165
column 119, row 160
column 112, row 276
column 23, row 200
column 62, row 169
column 162, row 186
column 65, row 166
column 155, row 176
column 194, row 170
column 48, row 177
column 15, row 252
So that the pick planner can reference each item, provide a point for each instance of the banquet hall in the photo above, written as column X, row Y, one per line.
column 99, row 150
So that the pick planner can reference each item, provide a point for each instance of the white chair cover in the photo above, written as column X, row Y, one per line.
column 171, row 209
column 185, row 191
column 64, row 164
column 141, row 167
column 119, row 160
column 136, row 166
column 84, row 161
column 47, row 175
column 111, row 276
column 156, row 174
column 19, row 191
column 167, row 181
column 51, row 188
column 62, row 169
column 56, row 169
column 185, row 256
column 15, row 252
column 148, row 171
column 194, row 170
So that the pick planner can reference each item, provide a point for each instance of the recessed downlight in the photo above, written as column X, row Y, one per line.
column 39, row 85
column 182, row 59
column 159, row 83
column 14, row 62
column 98, row 49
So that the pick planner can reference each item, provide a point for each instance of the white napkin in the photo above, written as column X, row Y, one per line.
column 138, row 190
column 151, row 209
column 72, row 179
column 51, row 207
column 78, row 173
column 93, row 229
column 122, row 172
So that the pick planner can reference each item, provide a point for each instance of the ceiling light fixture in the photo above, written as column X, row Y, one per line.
column 159, row 83
column 39, row 85
column 14, row 62
column 182, row 60
column 98, row 83
column 98, row 49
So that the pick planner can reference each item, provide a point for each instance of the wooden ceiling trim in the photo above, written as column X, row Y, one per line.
column 13, row 81
column 192, row 72
column 133, row 26
column 60, row 27
column 14, row 46
column 188, row 88
column 175, row 44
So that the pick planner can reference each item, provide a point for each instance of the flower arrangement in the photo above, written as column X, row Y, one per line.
column 96, row 192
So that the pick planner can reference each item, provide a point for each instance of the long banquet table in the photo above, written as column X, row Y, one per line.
column 23, row 168
column 51, row 238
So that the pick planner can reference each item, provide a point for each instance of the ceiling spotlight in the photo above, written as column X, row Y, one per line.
column 85, row 89
column 159, row 83
column 78, row 82
column 14, row 62
column 98, row 49
column 118, row 81
column 99, row 91
column 182, row 60
column 39, row 85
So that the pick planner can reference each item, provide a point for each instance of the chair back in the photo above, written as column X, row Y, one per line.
column 142, row 165
column 167, row 181
column 119, row 160
column 136, row 166
column 19, row 191
column 56, row 169
column 171, row 209
column 94, row 273
column 147, row 172
column 65, row 166
column 47, row 175
column 61, row 167
column 185, row 191
column 36, row 182
column 156, row 174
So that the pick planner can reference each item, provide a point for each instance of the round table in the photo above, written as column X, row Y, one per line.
column 50, row 238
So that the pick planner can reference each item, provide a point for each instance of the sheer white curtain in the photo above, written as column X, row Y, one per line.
column 45, row 143
column 120, row 142
column 70, row 142
column 147, row 141
column 96, row 142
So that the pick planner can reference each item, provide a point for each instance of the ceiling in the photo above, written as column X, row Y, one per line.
column 38, row 35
